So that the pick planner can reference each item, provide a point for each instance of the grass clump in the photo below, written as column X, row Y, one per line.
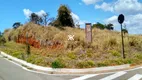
column 86, row 64
column 58, row 63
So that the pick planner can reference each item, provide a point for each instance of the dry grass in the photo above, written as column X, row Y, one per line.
column 104, row 50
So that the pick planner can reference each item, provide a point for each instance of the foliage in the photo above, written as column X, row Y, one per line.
column 64, row 18
column 109, row 26
column 16, row 25
column 85, row 64
column 98, row 25
column 58, row 63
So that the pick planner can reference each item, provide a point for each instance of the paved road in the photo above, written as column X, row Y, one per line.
column 133, row 74
column 10, row 71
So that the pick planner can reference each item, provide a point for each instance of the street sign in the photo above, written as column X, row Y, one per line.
column 121, row 20
column 88, row 32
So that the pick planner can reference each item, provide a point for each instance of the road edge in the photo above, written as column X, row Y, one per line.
column 64, row 70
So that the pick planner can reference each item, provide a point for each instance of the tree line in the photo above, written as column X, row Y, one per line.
column 63, row 19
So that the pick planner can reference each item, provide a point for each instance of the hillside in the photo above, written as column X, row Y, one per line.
column 50, row 46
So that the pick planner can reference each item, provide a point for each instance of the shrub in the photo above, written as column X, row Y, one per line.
column 139, row 56
column 58, row 63
column 115, row 53
column 72, row 55
column 85, row 64
column 112, row 42
column 133, row 41
column 100, row 64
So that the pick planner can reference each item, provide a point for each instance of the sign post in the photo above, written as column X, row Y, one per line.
column 88, row 32
column 121, row 20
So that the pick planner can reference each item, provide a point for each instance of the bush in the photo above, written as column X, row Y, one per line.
column 58, row 63
column 85, row 64
column 100, row 64
column 138, row 56
column 133, row 41
column 115, row 53
column 112, row 42
column 72, row 55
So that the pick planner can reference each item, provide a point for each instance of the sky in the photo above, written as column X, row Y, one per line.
column 82, row 11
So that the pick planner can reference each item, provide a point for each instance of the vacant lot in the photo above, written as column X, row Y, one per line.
column 105, row 49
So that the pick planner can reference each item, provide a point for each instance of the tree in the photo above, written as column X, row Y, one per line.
column 64, row 17
column 98, row 25
column 109, row 26
column 16, row 25
column 35, row 19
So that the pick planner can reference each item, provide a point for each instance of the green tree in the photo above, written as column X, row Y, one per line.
column 109, row 26
column 36, row 19
column 98, row 25
column 16, row 25
column 64, row 17
column 125, row 31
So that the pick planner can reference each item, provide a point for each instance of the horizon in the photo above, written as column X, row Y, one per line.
column 83, row 11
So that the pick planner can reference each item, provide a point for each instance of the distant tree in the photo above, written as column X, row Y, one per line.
column 64, row 17
column 35, row 18
column 98, row 25
column 16, row 25
column 124, row 30
column 109, row 26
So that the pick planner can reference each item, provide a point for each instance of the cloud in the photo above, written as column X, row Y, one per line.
column 28, row 12
column 41, row 13
column 87, row 2
column 122, row 6
column 105, row 7
column 129, row 6
column 77, row 20
column 132, row 22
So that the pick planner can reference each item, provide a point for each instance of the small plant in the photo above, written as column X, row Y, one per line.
column 133, row 41
column 115, row 53
column 72, row 55
column 58, row 63
column 112, row 42
column 86, row 64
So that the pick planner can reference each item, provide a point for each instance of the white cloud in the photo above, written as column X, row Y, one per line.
column 128, row 6
column 28, row 12
column 87, row 2
column 133, row 23
column 77, row 20
column 122, row 6
column 41, row 13
column 105, row 7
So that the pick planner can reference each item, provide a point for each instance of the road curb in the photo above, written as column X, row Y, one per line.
column 65, row 70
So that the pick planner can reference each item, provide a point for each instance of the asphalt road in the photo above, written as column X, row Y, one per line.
column 10, row 71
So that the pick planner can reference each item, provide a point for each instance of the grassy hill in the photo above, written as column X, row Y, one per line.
column 50, row 47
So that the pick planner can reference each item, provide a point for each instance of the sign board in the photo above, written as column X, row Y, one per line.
column 88, row 32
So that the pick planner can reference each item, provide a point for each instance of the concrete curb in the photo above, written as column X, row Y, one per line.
column 65, row 70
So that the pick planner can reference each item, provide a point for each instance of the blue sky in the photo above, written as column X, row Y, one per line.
column 104, row 11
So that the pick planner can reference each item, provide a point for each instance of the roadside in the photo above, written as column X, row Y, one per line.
column 65, row 70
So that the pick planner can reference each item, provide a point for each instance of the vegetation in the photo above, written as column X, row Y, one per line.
column 16, row 25
column 102, row 26
column 64, row 18
column 105, row 49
